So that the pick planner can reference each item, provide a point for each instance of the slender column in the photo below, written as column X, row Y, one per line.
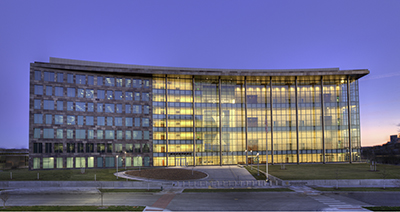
column 322, row 119
column 220, row 123
column 194, row 126
column 297, row 121
column 349, row 117
column 166, row 117
column 272, row 121
column 245, row 119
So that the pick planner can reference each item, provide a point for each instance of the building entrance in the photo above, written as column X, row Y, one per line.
column 180, row 162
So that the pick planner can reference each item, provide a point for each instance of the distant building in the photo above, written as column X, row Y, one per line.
column 393, row 139
column 14, row 158
column 93, row 115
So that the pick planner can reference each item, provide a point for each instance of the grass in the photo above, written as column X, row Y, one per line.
column 383, row 208
column 332, row 171
column 254, row 172
column 356, row 189
column 238, row 190
column 72, row 208
column 129, row 190
column 61, row 175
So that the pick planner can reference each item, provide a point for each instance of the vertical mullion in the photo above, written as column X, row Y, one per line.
column 297, row 120
column 349, row 117
column 166, row 117
column 322, row 119
column 194, row 126
column 272, row 122
column 245, row 118
column 220, row 123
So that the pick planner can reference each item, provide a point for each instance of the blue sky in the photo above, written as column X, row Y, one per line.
column 208, row 34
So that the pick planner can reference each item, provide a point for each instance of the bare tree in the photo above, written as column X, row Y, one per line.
column 4, row 196
column 385, row 175
column 100, row 189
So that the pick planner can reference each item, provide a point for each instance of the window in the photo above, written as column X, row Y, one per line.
column 137, row 148
column 146, row 109
column 110, row 134
column 58, row 119
column 137, row 161
column 70, row 106
column 109, row 108
column 70, row 78
column 137, row 122
column 101, row 148
column 80, row 106
column 49, row 76
column 119, row 108
column 70, row 120
column 128, row 96
column 119, row 82
column 80, row 134
column 80, row 162
column 89, row 93
column 36, row 104
column 39, row 89
column 38, row 75
column 119, row 134
column 109, row 148
column 36, row 163
column 89, row 120
column 70, row 148
column 37, row 148
column 48, row 104
column 110, row 81
column 90, row 107
column 109, row 95
column 99, row 162
column 60, row 134
column 118, row 148
column 48, row 163
column 60, row 163
column 100, row 134
column 90, row 134
column 128, row 122
column 99, row 80
column 118, row 121
column 47, row 147
column 80, row 79
column 118, row 95
column 48, row 133
column 99, row 107
column 81, row 92
column 90, row 162
column 128, row 161
column 60, row 105
column 128, row 83
column 137, row 135
column 58, row 148
column 146, row 161
column 71, row 92
column 90, row 80
column 60, row 77
column 80, row 120
column 137, row 109
column 110, row 162
column 128, row 135
column 146, row 84
column 70, row 133
column 145, row 97
column 129, row 148
column 109, row 121
column 89, row 148
column 36, row 133
column 127, row 109
column 38, row 118
column 100, row 94
column 70, row 162
column 145, row 122
column 49, row 119
column 137, row 96
column 100, row 121
column 145, row 148
column 49, row 90
column 59, row 91
column 146, row 135
column 80, row 148
column 137, row 83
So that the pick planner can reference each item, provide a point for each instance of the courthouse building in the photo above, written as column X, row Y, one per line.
column 86, row 114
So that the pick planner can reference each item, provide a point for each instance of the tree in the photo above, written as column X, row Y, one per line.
column 100, row 189
column 4, row 196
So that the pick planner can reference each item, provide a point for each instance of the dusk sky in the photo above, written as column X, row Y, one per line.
column 206, row 34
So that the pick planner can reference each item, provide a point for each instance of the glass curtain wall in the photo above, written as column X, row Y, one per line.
column 309, row 114
column 355, row 121
column 284, row 119
column 336, row 119
column 159, row 122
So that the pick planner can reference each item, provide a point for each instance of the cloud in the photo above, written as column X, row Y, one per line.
column 398, row 125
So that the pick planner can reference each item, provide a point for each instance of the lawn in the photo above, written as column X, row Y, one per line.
column 238, row 190
column 357, row 189
column 332, row 171
column 61, row 175
column 72, row 208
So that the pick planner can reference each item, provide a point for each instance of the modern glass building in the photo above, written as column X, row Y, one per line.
column 90, row 114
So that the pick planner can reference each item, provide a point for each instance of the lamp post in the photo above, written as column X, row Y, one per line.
column 258, row 165
column 117, row 165
column 251, row 159
column 125, row 159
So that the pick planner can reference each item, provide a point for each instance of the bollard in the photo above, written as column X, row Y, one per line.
column 11, row 175
column 94, row 177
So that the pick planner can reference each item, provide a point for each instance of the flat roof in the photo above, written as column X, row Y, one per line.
column 82, row 65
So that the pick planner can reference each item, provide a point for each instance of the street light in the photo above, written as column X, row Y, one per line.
column 117, row 165
column 258, row 165
column 251, row 159
column 125, row 159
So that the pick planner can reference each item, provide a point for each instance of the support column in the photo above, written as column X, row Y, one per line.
column 194, row 125
column 220, row 123
column 297, row 121
column 322, row 119
column 272, row 121
column 349, row 117
column 166, row 118
column 245, row 119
